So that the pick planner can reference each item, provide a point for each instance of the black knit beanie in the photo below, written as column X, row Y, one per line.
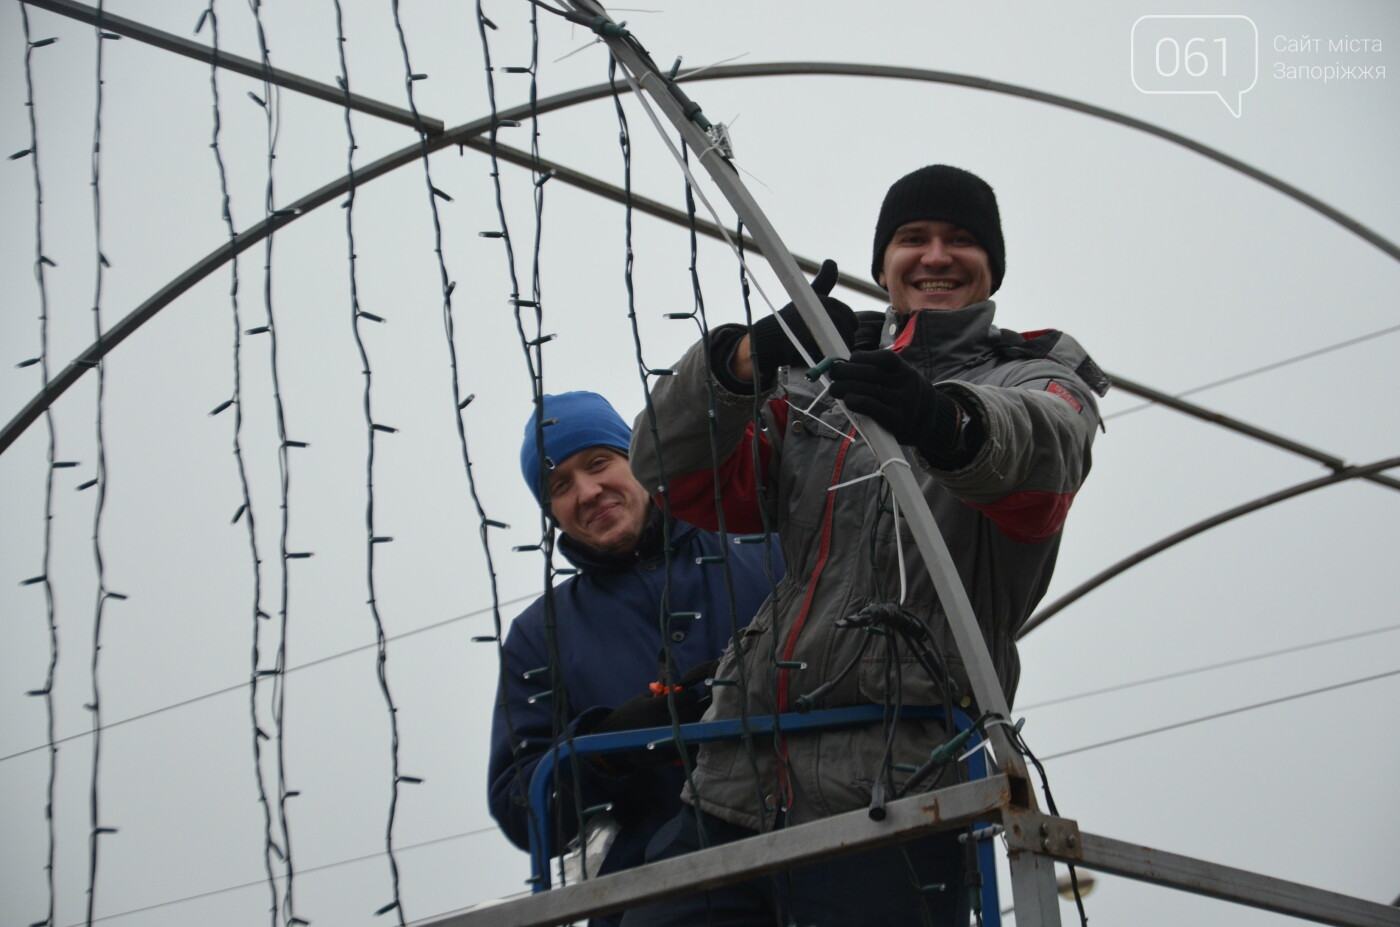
column 942, row 194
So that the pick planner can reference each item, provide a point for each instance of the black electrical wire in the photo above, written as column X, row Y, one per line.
column 245, row 511
column 532, row 347
column 41, row 262
column 373, row 429
column 270, row 103
column 645, row 374
column 761, row 503
column 96, row 828
column 698, row 315
column 1019, row 742
column 1265, row 368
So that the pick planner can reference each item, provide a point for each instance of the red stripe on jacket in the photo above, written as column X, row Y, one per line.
column 1030, row 517
column 692, row 496
column 785, row 675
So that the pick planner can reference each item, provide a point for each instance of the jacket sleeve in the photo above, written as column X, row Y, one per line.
column 680, row 457
column 1039, row 419
column 522, row 733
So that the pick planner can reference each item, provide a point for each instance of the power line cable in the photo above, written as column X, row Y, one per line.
column 1210, row 666
column 1053, row 756
column 302, row 872
column 1307, row 355
column 238, row 686
column 1222, row 714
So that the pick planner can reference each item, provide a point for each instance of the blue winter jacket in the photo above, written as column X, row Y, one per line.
column 610, row 634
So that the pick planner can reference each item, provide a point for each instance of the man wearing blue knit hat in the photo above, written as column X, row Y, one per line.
column 623, row 629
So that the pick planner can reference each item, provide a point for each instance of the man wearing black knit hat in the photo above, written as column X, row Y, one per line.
column 997, row 427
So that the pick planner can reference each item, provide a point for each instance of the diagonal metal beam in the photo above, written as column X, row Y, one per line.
column 246, row 66
column 1171, row 540
column 1213, row 880
column 775, row 851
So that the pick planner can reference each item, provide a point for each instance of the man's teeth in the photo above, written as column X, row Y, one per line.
column 930, row 286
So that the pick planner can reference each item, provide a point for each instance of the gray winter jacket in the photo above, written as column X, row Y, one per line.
column 1001, row 516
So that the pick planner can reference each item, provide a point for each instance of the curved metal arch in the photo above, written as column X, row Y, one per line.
column 866, row 288
column 462, row 134
column 1171, row 540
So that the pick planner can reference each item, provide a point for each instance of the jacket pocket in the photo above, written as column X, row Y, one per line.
column 883, row 681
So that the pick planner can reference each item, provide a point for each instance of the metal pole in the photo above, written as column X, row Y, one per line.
column 1033, row 882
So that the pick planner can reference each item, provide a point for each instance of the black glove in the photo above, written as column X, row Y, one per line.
column 870, row 328
column 652, row 709
column 769, row 343
column 886, row 387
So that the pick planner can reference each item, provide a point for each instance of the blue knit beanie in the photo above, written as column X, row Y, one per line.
column 580, row 420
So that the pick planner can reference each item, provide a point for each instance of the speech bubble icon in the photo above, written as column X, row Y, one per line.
column 1196, row 54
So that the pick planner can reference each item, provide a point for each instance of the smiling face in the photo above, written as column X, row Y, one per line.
column 934, row 265
column 597, row 501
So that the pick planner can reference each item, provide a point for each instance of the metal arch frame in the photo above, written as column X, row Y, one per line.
column 1205, row 524
column 466, row 134
column 1058, row 837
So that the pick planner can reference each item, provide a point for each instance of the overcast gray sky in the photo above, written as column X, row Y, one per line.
column 1172, row 270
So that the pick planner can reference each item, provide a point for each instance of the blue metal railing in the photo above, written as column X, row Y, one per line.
column 699, row 732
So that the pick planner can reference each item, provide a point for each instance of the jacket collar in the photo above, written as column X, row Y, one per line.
column 651, row 547
column 954, row 338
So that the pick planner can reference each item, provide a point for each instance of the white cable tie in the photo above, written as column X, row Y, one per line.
column 816, row 418
column 689, row 75
column 894, row 460
column 860, row 479
column 868, row 476
column 579, row 49
column 981, row 745
column 993, row 722
column 709, row 148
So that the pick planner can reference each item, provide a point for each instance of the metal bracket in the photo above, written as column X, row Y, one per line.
column 718, row 134
column 1031, row 831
